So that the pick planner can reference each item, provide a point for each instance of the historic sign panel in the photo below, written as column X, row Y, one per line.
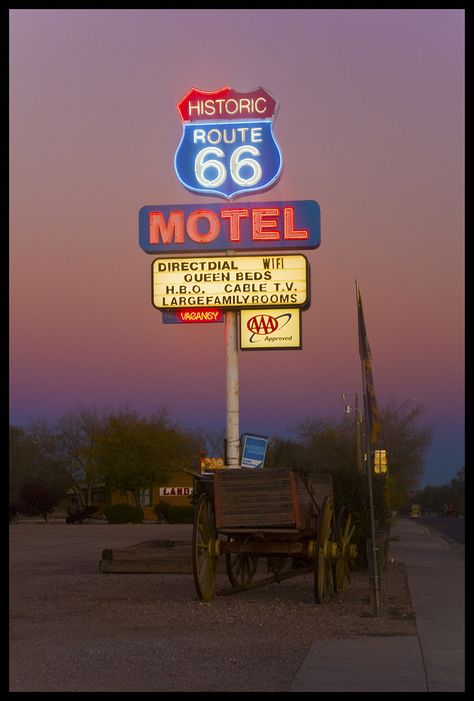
column 231, row 282
column 227, row 147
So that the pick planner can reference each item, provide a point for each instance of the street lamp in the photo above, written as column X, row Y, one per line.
column 358, row 421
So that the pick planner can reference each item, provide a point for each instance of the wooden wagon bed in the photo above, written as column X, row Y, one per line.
column 256, row 499
column 285, row 516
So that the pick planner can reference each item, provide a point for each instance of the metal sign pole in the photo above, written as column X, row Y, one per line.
column 232, row 390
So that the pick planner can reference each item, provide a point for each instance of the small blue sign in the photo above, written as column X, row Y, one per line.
column 253, row 450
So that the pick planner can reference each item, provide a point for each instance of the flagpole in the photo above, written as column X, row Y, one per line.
column 374, row 575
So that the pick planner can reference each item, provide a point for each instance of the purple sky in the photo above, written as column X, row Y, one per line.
column 370, row 125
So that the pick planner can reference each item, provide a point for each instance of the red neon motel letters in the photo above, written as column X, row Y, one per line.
column 217, row 227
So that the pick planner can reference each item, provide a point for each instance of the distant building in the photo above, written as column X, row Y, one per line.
column 177, row 492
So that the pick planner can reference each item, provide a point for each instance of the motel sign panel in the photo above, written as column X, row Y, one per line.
column 293, row 224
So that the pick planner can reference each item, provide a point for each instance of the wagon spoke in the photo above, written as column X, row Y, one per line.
column 322, row 562
column 241, row 567
column 345, row 532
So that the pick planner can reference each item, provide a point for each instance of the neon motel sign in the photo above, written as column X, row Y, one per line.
column 228, row 148
column 215, row 227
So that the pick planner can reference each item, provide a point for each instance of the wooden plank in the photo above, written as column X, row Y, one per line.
column 255, row 498
column 217, row 498
column 147, row 566
column 294, row 498
column 139, row 554
column 269, row 498
column 149, row 557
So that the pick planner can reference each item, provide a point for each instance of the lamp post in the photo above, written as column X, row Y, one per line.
column 358, row 421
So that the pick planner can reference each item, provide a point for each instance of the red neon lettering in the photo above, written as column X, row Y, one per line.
column 174, row 227
column 260, row 226
column 289, row 232
column 192, row 226
column 234, row 216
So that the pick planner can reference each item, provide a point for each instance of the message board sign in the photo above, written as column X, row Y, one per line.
column 231, row 282
column 267, row 329
column 227, row 145
column 218, row 227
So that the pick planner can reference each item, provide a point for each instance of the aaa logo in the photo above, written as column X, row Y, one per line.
column 264, row 324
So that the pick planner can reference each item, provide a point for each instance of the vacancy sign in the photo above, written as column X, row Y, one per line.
column 270, row 329
column 232, row 282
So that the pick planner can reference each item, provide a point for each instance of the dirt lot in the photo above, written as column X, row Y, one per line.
column 74, row 628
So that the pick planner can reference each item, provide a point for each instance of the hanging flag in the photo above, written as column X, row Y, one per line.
column 366, row 359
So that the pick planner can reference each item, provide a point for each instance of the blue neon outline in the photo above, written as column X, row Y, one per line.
column 203, row 191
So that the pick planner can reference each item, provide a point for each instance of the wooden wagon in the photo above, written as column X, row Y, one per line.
column 285, row 516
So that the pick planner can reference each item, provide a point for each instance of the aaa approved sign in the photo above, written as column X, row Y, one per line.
column 270, row 329
column 236, row 282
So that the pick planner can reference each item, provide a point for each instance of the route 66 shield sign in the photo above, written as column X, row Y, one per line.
column 227, row 146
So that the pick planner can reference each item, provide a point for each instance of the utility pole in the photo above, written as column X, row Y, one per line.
column 232, row 390
column 358, row 420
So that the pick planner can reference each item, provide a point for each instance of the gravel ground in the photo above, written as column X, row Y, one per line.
column 74, row 628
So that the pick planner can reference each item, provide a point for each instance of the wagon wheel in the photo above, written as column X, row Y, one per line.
column 241, row 567
column 204, row 550
column 344, row 532
column 323, row 580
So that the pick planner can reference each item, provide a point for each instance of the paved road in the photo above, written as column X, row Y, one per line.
column 453, row 527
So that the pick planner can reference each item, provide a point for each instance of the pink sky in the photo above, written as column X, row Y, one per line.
column 370, row 125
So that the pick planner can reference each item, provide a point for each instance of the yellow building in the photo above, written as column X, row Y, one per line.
column 176, row 492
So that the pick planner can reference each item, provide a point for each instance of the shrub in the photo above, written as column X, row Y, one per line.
column 173, row 514
column 37, row 499
column 124, row 513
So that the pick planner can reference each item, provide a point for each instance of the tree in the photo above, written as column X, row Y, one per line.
column 433, row 499
column 77, row 435
column 132, row 453
column 330, row 446
column 38, row 499
column 406, row 442
column 35, row 461
column 21, row 456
